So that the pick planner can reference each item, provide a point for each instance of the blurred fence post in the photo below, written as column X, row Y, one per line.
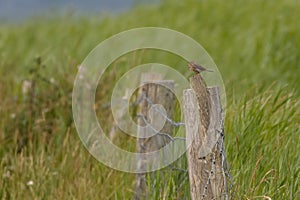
column 157, row 98
column 204, row 132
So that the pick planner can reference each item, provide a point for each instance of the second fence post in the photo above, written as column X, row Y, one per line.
column 158, row 102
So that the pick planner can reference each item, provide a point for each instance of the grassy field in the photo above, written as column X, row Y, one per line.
column 255, row 44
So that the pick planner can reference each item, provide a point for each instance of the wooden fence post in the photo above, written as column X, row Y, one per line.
column 158, row 92
column 204, row 132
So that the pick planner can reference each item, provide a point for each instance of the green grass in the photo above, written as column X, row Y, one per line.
column 255, row 44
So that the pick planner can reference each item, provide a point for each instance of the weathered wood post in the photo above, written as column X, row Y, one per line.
column 156, row 94
column 204, row 132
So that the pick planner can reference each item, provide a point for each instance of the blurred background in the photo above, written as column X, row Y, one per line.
column 18, row 10
column 255, row 44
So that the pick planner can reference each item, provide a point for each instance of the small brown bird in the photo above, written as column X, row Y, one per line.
column 197, row 68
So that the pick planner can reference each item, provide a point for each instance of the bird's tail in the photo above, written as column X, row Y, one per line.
column 209, row 70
